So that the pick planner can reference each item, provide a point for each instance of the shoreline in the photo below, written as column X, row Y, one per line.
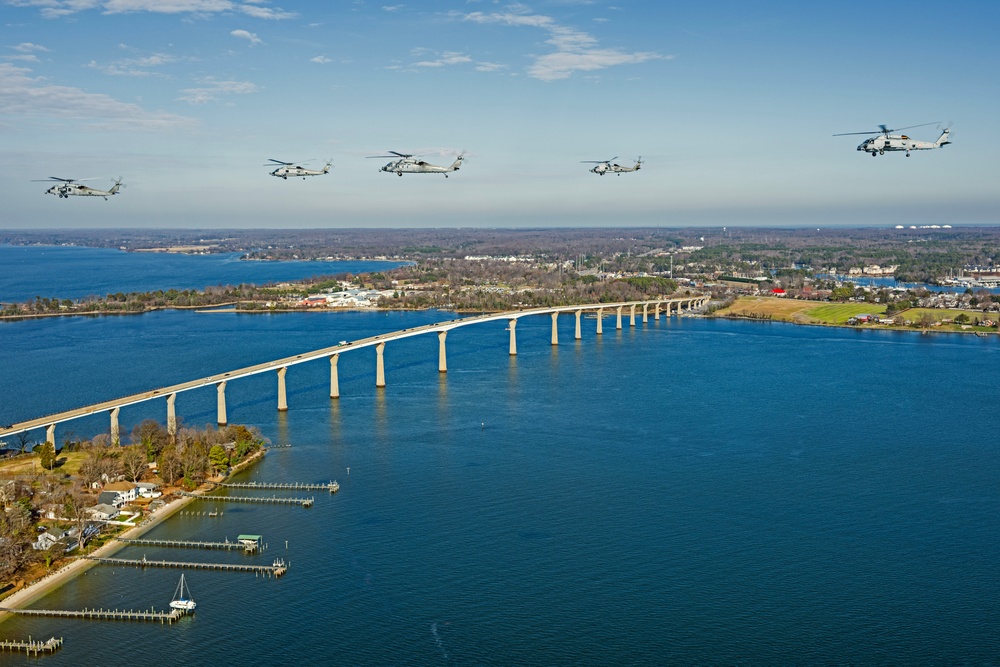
column 50, row 582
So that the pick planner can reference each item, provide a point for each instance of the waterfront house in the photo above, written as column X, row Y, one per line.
column 103, row 512
column 148, row 490
column 49, row 538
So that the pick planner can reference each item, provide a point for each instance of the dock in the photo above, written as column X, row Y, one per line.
column 104, row 614
column 332, row 487
column 190, row 544
column 273, row 500
column 31, row 647
column 276, row 570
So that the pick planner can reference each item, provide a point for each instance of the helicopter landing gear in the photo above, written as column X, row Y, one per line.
column 874, row 153
column 399, row 173
column 881, row 151
column 907, row 154
column 446, row 175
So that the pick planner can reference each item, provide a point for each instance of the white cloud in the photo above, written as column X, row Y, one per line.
column 59, row 8
column 138, row 67
column 575, row 50
column 249, row 36
column 489, row 67
column 31, row 99
column 211, row 89
column 447, row 58
column 28, row 47
column 392, row 8
column 322, row 60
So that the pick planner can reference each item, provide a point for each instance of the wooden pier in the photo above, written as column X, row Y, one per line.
column 104, row 614
column 332, row 487
column 31, row 647
column 273, row 500
column 189, row 544
column 277, row 569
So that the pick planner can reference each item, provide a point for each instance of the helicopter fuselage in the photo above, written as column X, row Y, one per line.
column 900, row 142
column 413, row 166
column 70, row 190
column 296, row 172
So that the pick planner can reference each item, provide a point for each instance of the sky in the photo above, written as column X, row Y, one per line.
column 732, row 106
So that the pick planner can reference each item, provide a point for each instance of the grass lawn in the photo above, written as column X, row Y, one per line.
column 67, row 463
column 803, row 312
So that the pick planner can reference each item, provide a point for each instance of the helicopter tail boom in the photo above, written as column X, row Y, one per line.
column 943, row 139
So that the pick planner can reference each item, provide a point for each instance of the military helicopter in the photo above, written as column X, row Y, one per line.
column 404, row 163
column 66, row 187
column 286, row 169
column 602, row 167
column 887, row 141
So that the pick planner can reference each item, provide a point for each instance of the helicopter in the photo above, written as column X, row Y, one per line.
column 66, row 187
column 887, row 141
column 405, row 163
column 602, row 167
column 286, row 169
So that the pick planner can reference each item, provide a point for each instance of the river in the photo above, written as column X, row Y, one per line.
column 689, row 491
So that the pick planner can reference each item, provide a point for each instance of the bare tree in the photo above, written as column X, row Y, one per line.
column 133, row 462
column 78, row 511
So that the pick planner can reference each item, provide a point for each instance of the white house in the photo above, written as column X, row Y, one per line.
column 104, row 512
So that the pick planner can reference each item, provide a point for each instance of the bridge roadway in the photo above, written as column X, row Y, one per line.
column 332, row 353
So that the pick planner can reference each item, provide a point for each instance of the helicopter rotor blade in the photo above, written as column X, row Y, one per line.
column 910, row 127
column 845, row 134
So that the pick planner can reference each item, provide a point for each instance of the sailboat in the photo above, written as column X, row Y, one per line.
column 182, row 597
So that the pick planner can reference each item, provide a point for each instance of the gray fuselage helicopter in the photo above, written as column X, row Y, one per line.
column 404, row 163
column 286, row 169
column 887, row 141
column 602, row 167
column 65, row 188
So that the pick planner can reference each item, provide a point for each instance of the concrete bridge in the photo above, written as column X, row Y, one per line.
column 653, row 307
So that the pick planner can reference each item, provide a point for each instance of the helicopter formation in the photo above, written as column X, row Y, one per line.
column 882, row 140
column 887, row 141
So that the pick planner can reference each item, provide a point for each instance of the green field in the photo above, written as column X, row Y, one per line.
column 839, row 313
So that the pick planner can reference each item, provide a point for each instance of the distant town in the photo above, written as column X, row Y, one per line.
column 475, row 270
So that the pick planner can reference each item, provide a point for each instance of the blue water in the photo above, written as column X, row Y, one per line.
column 685, row 492
column 71, row 272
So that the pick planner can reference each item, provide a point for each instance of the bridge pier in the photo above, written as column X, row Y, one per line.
column 656, row 312
column 555, row 329
column 600, row 321
column 631, row 316
column 579, row 313
column 645, row 313
column 221, row 403
column 379, row 365
column 282, row 396
column 511, row 325
column 618, row 323
column 442, row 358
column 50, row 433
column 334, row 383
column 115, row 433
column 172, row 415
